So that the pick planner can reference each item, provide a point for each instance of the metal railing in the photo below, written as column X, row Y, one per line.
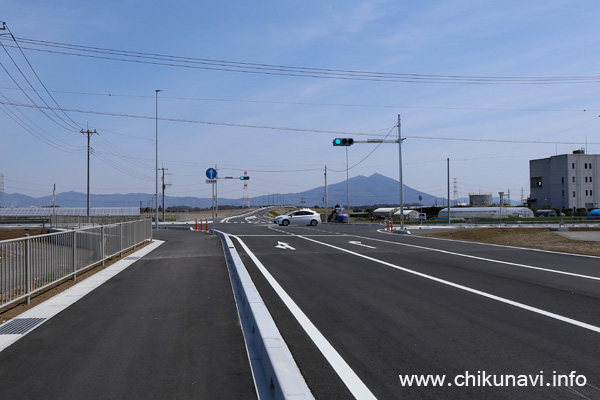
column 79, row 222
column 31, row 264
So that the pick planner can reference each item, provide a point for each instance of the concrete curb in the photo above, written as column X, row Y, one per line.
column 276, row 374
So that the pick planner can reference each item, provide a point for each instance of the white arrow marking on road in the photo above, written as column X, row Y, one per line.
column 360, row 244
column 283, row 245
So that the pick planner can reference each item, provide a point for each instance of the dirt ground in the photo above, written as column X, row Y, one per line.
column 6, row 234
column 535, row 238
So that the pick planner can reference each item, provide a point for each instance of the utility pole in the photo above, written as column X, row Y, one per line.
column 501, row 194
column 326, row 205
column 163, row 191
column 400, row 174
column 448, row 178
column 88, row 133
column 54, row 204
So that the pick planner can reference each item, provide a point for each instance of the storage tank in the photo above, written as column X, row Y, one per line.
column 480, row 199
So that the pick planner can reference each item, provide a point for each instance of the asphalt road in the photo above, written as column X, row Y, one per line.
column 164, row 328
column 401, row 305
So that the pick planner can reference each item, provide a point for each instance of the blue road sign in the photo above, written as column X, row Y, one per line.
column 211, row 173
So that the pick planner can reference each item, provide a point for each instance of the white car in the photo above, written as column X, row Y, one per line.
column 300, row 217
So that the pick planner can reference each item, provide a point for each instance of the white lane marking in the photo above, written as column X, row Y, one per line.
column 283, row 245
column 356, row 242
column 505, row 246
column 226, row 219
column 467, row 289
column 595, row 278
column 348, row 376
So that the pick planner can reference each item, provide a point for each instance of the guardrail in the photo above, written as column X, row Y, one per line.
column 276, row 375
column 29, row 265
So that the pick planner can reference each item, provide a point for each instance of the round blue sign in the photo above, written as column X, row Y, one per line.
column 211, row 173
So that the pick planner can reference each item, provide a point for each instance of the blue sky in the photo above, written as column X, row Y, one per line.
column 553, row 39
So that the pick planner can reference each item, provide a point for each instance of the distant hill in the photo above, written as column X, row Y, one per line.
column 364, row 191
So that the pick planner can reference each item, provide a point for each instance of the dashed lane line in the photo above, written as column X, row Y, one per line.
column 466, row 288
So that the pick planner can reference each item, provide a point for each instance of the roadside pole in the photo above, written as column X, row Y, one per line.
column 211, row 175
column 326, row 202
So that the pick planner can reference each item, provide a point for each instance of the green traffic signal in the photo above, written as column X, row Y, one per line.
column 343, row 142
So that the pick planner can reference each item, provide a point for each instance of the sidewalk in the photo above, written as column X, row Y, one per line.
column 165, row 327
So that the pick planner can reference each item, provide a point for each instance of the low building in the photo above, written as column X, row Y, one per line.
column 565, row 181
column 408, row 214
column 385, row 212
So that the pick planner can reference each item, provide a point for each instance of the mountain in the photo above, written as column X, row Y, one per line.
column 364, row 191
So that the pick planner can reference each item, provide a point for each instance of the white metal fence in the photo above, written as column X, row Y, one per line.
column 31, row 264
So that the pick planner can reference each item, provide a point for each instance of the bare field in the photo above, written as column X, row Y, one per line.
column 542, row 239
column 6, row 234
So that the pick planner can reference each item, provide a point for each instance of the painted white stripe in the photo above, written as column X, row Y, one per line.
column 466, row 288
column 348, row 376
column 596, row 278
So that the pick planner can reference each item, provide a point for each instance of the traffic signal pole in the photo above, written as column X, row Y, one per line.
column 347, row 187
column 350, row 141
column 400, row 174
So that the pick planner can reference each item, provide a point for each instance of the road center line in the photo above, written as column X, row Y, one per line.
column 348, row 376
column 466, row 288
column 486, row 259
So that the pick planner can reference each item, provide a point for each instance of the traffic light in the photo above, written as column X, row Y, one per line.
column 343, row 142
column 244, row 178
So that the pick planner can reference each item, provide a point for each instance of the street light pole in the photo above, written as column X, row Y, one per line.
column 156, row 169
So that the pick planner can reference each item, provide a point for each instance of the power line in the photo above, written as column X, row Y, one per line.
column 281, row 102
column 295, row 71
column 50, row 140
column 279, row 128
column 74, row 124
column 230, row 124
column 41, row 109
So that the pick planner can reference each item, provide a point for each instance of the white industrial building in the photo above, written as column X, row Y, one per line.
column 565, row 181
column 394, row 212
column 469, row 213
